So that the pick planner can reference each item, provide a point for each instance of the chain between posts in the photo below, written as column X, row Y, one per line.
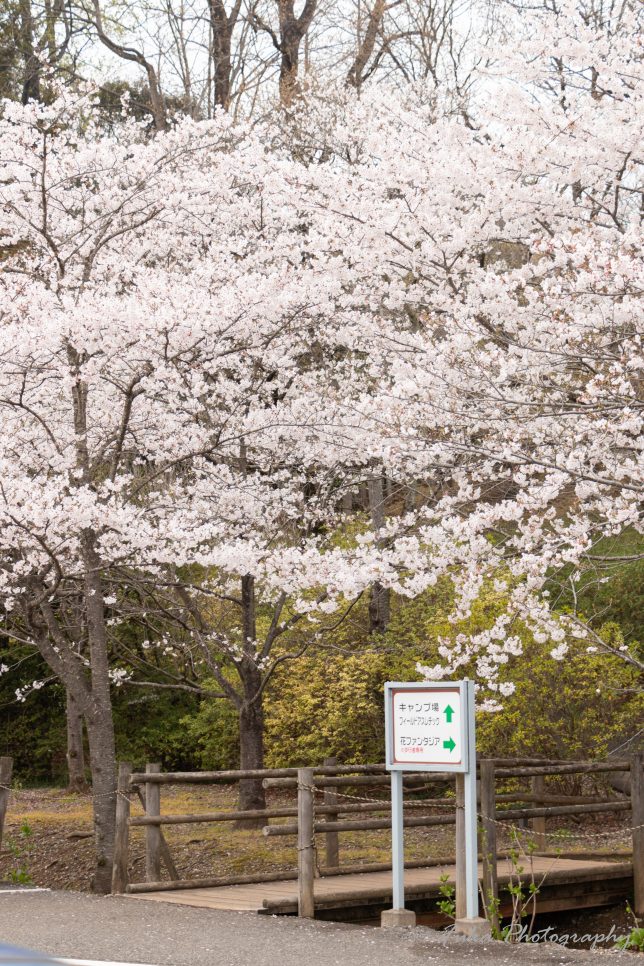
column 17, row 793
column 454, row 806
column 623, row 830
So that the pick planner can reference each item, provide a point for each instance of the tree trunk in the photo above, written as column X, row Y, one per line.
column 222, row 26
column 379, row 608
column 100, row 724
column 366, row 44
column 289, row 66
column 251, row 711
column 222, row 72
column 102, row 756
column 379, row 597
column 91, row 693
column 292, row 30
column 76, row 781
column 32, row 66
column 157, row 100
column 251, row 755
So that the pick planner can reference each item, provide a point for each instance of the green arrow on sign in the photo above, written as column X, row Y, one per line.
column 450, row 745
column 449, row 711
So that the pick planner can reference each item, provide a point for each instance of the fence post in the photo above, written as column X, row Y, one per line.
column 488, row 823
column 637, row 812
column 6, row 770
column 305, row 843
column 539, row 824
column 122, row 835
column 166, row 856
column 461, row 890
column 152, row 832
column 332, row 838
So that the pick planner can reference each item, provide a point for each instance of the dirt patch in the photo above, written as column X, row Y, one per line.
column 48, row 839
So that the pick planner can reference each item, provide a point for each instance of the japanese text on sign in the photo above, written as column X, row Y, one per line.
column 426, row 727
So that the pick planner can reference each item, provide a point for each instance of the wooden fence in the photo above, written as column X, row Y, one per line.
column 319, row 811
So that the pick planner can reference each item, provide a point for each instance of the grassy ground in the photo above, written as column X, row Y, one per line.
column 48, row 839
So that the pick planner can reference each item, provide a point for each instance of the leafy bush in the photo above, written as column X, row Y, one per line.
column 331, row 705
column 150, row 726
column 573, row 708
column 212, row 732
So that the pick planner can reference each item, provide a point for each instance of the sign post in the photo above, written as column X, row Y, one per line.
column 430, row 728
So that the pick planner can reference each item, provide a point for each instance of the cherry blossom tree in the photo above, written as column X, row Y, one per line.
column 211, row 338
column 174, row 380
column 512, row 245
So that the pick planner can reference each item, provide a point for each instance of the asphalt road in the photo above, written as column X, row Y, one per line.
column 78, row 926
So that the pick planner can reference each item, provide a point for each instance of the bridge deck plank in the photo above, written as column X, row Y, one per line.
column 368, row 885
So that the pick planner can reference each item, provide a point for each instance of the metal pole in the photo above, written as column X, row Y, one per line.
column 460, row 847
column 397, row 840
column 471, row 846
column 397, row 915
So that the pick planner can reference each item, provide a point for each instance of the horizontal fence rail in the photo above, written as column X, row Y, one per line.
column 364, row 826
column 564, row 768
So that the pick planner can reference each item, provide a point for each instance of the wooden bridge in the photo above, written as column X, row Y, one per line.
column 361, row 897
column 359, row 893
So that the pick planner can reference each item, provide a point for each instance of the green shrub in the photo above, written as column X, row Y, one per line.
column 212, row 732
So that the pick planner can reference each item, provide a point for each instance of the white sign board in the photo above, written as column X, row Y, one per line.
column 426, row 726
column 431, row 727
